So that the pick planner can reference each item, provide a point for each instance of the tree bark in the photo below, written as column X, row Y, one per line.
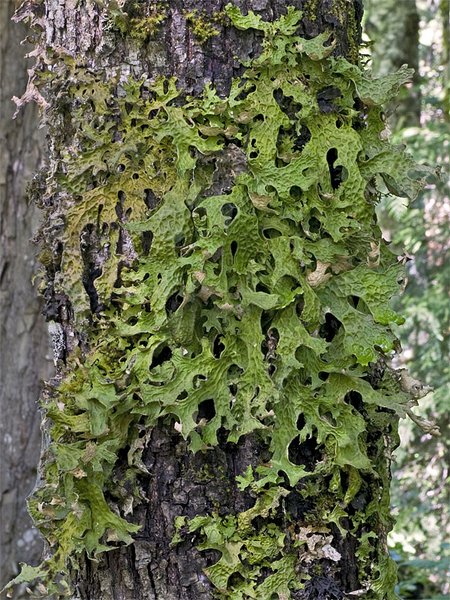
column 24, row 360
column 180, row 483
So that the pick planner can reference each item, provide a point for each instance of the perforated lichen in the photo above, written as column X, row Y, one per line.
column 238, row 264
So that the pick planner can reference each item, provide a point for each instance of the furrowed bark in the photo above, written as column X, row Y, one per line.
column 180, row 483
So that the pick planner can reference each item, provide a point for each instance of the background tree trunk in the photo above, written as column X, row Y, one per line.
column 395, row 28
column 24, row 351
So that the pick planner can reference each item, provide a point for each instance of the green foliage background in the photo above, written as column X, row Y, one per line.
column 420, row 541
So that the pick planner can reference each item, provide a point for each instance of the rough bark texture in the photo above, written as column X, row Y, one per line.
column 24, row 351
column 179, row 482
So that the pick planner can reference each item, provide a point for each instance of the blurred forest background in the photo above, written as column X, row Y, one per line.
column 416, row 32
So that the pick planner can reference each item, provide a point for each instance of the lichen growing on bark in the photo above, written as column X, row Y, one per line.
column 241, row 285
column 137, row 20
column 203, row 26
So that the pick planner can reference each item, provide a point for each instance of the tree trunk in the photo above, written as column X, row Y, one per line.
column 24, row 341
column 225, row 519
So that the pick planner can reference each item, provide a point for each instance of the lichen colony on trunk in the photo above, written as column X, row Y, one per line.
column 222, row 291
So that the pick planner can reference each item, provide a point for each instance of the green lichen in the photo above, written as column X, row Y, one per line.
column 131, row 23
column 263, row 287
column 142, row 29
column 203, row 25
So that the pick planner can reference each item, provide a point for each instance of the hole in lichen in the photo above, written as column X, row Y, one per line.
column 135, row 175
column 353, row 301
column 236, row 581
column 344, row 479
column 287, row 104
column 269, row 346
column 234, row 371
column 162, row 354
column 304, row 453
column 229, row 210
column 121, row 168
column 254, row 154
column 233, row 390
column 200, row 212
column 355, row 399
column 295, row 192
column 146, row 241
column 328, row 417
column 246, row 92
column 301, row 421
column 278, row 95
column 335, row 172
column 329, row 329
column 206, row 410
column 151, row 201
column 299, row 307
column 314, row 225
column 326, row 98
column 218, row 346
column 302, row 139
column 197, row 380
column 179, row 240
column 116, row 136
column 271, row 233
column 261, row 287
column 323, row 375
column 173, row 302
column 233, row 247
